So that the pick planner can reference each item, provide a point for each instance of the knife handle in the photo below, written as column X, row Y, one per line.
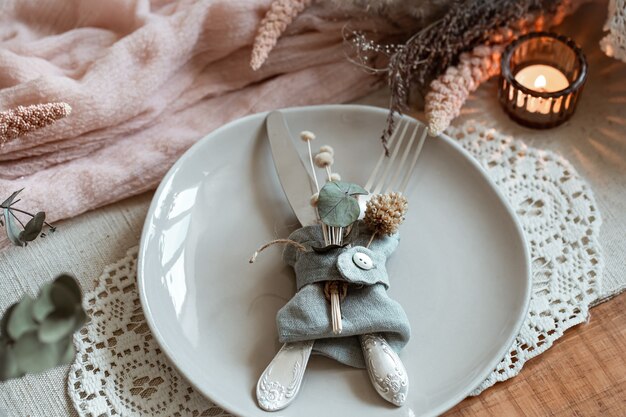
column 280, row 382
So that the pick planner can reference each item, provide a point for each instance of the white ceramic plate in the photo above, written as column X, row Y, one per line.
column 461, row 270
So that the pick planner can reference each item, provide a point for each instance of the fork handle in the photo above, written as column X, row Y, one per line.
column 385, row 369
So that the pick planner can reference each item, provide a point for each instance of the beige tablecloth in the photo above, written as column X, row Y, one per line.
column 594, row 141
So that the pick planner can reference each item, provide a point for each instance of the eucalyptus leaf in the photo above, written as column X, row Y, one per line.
column 13, row 232
column 337, row 206
column 53, row 329
column 80, row 318
column 71, row 285
column 33, row 227
column 8, row 362
column 34, row 356
column 37, row 334
column 43, row 304
column 9, row 201
column 68, row 353
column 21, row 319
column 4, row 322
column 65, row 295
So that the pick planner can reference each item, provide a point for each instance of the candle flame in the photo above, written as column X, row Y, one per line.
column 540, row 82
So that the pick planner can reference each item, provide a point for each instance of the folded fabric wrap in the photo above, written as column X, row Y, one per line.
column 367, row 308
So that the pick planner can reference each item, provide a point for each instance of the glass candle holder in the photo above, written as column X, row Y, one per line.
column 541, row 80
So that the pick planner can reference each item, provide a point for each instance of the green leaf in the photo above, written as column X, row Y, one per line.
column 55, row 328
column 43, row 304
column 68, row 354
column 65, row 293
column 8, row 363
column 34, row 356
column 4, row 322
column 80, row 318
column 13, row 232
column 337, row 206
column 33, row 227
column 21, row 319
column 9, row 201
column 70, row 283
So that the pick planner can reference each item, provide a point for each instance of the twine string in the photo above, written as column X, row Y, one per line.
column 293, row 243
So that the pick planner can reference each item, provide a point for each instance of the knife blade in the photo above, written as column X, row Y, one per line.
column 294, row 176
column 286, row 370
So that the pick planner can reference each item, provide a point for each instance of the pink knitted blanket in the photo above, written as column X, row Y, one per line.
column 146, row 79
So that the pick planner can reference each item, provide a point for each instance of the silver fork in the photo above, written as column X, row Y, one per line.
column 385, row 369
column 408, row 152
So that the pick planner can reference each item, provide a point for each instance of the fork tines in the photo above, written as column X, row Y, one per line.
column 398, row 166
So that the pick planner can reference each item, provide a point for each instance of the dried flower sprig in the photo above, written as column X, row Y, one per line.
column 29, row 231
column 324, row 159
column 22, row 120
column 280, row 14
column 36, row 334
column 307, row 137
column 328, row 149
column 384, row 213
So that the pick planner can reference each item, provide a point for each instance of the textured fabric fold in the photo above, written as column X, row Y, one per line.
column 366, row 307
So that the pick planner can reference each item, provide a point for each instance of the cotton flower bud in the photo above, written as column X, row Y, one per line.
column 335, row 177
column 314, row 199
column 323, row 159
column 306, row 136
column 327, row 148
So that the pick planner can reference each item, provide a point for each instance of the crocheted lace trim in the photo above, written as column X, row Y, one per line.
column 561, row 223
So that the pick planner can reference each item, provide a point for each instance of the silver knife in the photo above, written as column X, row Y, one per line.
column 280, row 382
column 293, row 174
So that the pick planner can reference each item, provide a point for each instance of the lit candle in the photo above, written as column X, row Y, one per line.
column 542, row 78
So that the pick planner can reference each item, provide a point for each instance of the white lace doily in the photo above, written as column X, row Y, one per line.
column 561, row 223
column 119, row 368
column 120, row 371
column 614, row 44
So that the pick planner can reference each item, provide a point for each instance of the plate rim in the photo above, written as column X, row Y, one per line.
column 447, row 405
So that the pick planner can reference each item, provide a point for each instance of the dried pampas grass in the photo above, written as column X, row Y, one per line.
column 449, row 92
column 22, row 120
column 280, row 14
